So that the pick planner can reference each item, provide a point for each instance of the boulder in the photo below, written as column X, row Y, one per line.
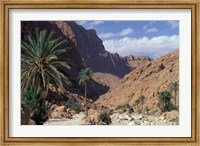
column 62, row 112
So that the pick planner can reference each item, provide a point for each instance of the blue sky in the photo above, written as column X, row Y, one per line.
column 139, row 38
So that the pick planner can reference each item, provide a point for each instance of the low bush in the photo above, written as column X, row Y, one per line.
column 29, row 98
column 105, row 117
column 73, row 105
column 130, row 110
column 139, row 111
column 172, row 107
column 125, row 105
column 153, row 112
column 41, row 113
column 37, row 104
column 147, row 109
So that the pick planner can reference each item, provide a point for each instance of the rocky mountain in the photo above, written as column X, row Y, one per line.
column 136, row 61
column 147, row 80
column 92, row 51
column 106, row 79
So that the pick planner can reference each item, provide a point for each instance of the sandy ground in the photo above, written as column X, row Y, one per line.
column 76, row 120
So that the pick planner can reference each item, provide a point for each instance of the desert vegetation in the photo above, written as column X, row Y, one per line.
column 57, row 85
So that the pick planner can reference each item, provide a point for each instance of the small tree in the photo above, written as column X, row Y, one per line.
column 85, row 76
column 137, row 101
column 165, row 100
column 174, row 86
column 141, row 98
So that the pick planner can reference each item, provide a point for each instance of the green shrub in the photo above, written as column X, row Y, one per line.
column 105, row 117
column 147, row 109
column 130, row 110
column 139, row 111
column 153, row 112
column 125, row 105
column 37, row 104
column 158, row 105
column 41, row 113
column 73, row 105
column 29, row 98
column 172, row 107
column 108, row 110
column 164, row 98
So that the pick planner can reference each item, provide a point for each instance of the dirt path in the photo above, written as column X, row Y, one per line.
column 76, row 120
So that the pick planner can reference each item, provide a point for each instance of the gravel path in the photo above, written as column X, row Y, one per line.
column 76, row 120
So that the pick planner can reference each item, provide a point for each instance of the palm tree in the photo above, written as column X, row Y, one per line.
column 40, row 61
column 84, row 76
column 137, row 101
column 165, row 100
column 141, row 98
column 174, row 86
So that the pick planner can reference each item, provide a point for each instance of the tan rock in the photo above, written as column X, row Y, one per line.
column 62, row 112
column 148, row 80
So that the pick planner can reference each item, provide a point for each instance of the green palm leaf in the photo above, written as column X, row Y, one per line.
column 40, row 61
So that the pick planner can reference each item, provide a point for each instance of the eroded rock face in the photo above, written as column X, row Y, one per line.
column 92, row 51
column 146, row 80
column 106, row 79
column 136, row 61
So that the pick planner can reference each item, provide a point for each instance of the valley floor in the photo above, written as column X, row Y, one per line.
column 120, row 119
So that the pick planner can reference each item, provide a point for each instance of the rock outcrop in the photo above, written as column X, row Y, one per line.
column 146, row 80
column 136, row 61
column 106, row 79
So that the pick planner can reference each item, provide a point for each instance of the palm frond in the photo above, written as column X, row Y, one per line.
column 40, row 60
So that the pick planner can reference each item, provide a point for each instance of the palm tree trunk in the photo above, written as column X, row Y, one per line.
column 86, row 110
column 175, row 98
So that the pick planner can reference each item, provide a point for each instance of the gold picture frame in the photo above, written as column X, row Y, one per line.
column 117, row 4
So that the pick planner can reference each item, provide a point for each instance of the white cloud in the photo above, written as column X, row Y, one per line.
column 153, row 29
column 173, row 24
column 106, row 35
column 124, row 32
column 148, row 27
column 154, row 47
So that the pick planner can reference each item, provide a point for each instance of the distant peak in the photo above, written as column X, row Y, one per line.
column 132, row 58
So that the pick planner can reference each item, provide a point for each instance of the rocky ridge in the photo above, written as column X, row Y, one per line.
column 147, row 80
column 136, row 61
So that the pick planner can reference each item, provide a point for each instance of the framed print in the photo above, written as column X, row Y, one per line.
column 104, row 72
